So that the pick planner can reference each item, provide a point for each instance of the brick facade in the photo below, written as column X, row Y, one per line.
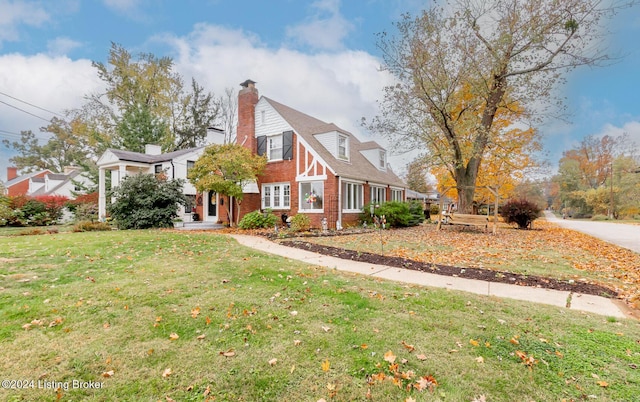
column 287, row 170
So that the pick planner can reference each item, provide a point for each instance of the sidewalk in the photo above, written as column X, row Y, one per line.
column 587, row 303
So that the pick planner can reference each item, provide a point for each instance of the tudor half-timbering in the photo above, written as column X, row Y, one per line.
column 313, row 167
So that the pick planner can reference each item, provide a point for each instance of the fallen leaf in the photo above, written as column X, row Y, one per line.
column 326, row 329
column 174, row 336
column 480, row 359
column 410, row 348
column 389, row 357
column 514, row 341
column 107, row 374
column 228, row 353
column 195, row 312
column 474, row 342
column 201, row 337
column 603, row 384
column 421, row 357
column 297, row 342
column 273, row 362
column 166, row 373
column 326, row 365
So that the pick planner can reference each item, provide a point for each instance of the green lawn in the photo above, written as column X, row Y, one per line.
column 161, row 315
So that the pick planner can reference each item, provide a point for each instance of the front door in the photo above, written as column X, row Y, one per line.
column 212, row 210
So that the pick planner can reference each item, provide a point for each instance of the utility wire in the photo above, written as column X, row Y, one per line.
column 31, row 104
column 24, row 111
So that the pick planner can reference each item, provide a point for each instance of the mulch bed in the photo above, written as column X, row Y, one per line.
column 446, row 270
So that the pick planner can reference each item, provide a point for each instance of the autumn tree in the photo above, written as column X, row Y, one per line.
column 416, row 176
column 146, row 100
column 507, row 159
column 588, row 174
column 64, row 148
column 226, row 169
column 502, row 51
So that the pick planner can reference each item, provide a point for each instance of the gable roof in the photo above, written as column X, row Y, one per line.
column 24, row 177
column 131, row 156
column 358, row 167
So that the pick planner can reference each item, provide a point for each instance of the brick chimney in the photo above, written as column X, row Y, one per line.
column 247, row 100
column 12, row 173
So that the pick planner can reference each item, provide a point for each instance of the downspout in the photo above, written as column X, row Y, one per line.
column 339, row 203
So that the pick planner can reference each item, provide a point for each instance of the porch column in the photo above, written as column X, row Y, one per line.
column 102, row 195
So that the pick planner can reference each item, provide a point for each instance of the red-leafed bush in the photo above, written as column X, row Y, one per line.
column 521, row 212
column 84, row 207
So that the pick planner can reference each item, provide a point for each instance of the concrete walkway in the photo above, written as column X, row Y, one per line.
column 587, row 303
column 620, row 234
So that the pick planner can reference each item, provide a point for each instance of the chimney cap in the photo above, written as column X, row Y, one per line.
column 248, row 84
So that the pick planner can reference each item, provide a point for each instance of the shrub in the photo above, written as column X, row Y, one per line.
column 416, row 209
column 84, row 207
column 146, row 201
column 599, row 218
column 87, row 226
column 397, row 214
column 300, row 223
column 520, row 212
column 258, row 220
column 434, row 209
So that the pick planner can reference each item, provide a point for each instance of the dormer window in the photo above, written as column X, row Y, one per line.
column 343, row 147
column 382, row 164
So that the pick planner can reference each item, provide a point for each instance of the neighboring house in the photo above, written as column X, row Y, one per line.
column 66, row 184
column 175, row 165
column 19, row 185
column 314, row 167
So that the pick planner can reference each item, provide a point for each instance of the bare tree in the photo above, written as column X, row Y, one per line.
column 504, row 53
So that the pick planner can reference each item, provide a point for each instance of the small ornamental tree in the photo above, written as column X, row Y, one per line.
column 146, row 201
column 226, row 169
column 520, row 212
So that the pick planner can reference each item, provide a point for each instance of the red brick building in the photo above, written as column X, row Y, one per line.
column 315, row 168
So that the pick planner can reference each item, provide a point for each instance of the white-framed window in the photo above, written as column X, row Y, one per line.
column 396, row 195
column 343, row 147
column 382, row 160
column 276, row 196
column 378, row 194
column 352, row 196
column 311, row 196
column 274, row 147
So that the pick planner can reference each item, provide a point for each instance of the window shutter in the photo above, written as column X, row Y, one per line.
column 262, row 145
column 287, row 145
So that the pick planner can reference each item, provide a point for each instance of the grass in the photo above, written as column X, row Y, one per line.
column 548, row 251
column 226, row 322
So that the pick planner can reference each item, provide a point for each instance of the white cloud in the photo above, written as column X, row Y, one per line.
column 325, row 29
column 16, row 13
column 52, row 83
column 339, row 87
column 631, row 128
column 62, row 46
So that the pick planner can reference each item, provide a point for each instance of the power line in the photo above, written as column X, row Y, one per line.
column 31, row 104
column 24, row 111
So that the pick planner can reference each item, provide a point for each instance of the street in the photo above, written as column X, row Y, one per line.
column 623, row 235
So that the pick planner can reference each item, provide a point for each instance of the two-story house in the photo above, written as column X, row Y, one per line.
column 314, row 167
column 174, row 165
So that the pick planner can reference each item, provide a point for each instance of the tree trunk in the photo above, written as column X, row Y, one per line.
column 466, row 183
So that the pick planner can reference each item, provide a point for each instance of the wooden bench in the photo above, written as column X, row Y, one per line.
column 466, row 220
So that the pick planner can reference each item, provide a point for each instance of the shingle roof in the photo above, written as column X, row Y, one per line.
column 358, row 167
column 145, row 158
column 23, row 177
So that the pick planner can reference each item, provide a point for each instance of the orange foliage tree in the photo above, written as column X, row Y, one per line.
column 508, row 155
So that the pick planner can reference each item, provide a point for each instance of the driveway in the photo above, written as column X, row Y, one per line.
column 627, row 236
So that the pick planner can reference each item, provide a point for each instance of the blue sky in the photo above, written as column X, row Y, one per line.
column 317, row 56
